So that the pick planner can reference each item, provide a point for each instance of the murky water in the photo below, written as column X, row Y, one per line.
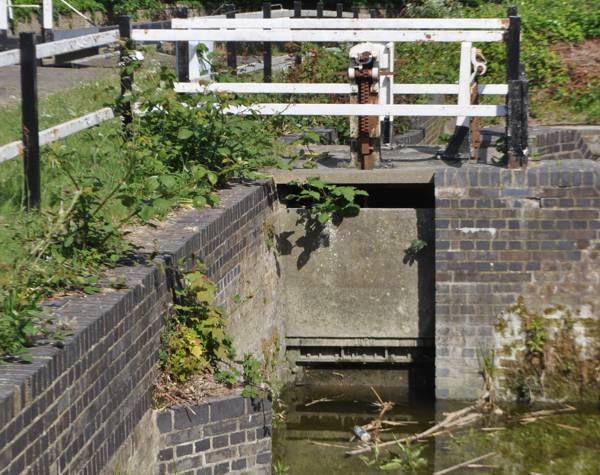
column 319, row 419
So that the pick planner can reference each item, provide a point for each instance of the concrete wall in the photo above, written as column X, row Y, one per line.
column 501, row 234
column 354, row 280
column 74, row 408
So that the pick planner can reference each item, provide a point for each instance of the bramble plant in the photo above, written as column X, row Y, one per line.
column 175, row 154
column 324, row 201
column 195, row 339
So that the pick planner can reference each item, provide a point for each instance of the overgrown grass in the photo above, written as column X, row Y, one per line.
column 98, row 183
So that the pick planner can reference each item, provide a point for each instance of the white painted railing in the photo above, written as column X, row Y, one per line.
column 14, row 149
column 387, row 31
column 55, row 48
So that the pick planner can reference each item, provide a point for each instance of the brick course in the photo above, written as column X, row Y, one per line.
column 235, row 437
column 72, row 408
column 504, row 233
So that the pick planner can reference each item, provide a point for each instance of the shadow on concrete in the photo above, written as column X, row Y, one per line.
column 421, row 375
column 313, row 238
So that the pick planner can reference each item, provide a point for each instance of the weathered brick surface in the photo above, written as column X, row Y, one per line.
column 504, row 233
column 235, row 440
column 71, row 410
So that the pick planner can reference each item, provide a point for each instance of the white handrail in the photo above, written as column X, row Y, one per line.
column 327, row 88
column 369, row 110
column 53, row 48
column 342, row 23
column 14, row 149
column 319, row 36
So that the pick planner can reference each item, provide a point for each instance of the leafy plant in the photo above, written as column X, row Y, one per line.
column 279, row 468
column 406, row 457
column 413, row 250
column 536, row 336
column 195, row 340
column 324, row 201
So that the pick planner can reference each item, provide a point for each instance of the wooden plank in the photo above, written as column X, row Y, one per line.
column 11, row 150
column 270, row 88
column 10, row 57
column 319, row 36
column 370, row 110
column 76, row 125
column 54, row 48
column 14, row 149
column 327, row 88
column 346, row 23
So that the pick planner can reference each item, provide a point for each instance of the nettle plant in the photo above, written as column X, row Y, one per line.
column 325, row 202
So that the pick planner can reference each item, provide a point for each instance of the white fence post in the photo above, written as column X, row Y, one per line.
column 464, row 81
column 3, row 24
column 47, row 19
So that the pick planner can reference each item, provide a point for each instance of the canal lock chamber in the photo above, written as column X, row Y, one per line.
column 360, row 292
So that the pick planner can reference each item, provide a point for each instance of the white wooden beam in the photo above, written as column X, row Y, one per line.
column 267, row 88
column 343, row 24
column 11, row 150
column 58, row 132
column 53, row 48
column 10, row 57
column 318, row 36
column 69, row 45
column 369, row 110
column 327, row 88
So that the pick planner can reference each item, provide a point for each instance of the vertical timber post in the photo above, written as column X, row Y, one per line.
column 267, row 57
column 31, row 137
column 339, row 10
column 298, row 14
column 182, row 51
column 3, row 24
column 47, row 30
column 320, row 9
column 126, row 76
column 355, row 11
column 231, row 46
column 516, row 118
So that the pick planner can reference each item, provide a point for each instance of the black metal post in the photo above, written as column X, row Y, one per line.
column 298, row 14
column 516, row 119
column 355, row 11
column 231, row 46
column 267, row 53
column 374, row 13
column 31, row 140
column 340, row 10
column 513, row 46
column 182, row 51
column 3, row 40
column 126, row 76
column 319, row 9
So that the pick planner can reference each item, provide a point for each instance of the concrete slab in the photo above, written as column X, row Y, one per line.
column 354, row 280
column 413, row 164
